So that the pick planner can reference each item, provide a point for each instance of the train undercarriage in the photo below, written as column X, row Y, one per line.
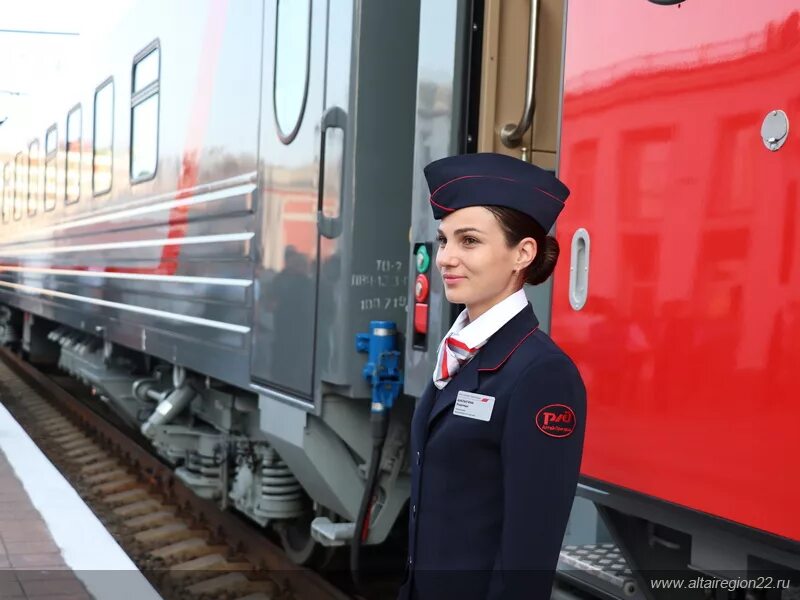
column 208, row 431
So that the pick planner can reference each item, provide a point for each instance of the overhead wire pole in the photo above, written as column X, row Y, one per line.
column 35, row 32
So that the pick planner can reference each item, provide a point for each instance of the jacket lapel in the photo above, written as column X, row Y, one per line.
column 507, row 339
column 424, row 408
column 488, row 359
column 466, row 380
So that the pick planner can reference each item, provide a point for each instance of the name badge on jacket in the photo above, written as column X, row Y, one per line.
column 474, row 406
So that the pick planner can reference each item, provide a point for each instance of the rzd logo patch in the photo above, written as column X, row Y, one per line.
column 556, row 420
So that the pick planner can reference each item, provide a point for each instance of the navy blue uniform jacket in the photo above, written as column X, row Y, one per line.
column 490, row 499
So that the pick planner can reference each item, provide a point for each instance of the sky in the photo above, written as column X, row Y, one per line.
column 28, row 61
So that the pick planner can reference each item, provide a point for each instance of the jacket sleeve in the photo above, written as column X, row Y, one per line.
column 540, row 475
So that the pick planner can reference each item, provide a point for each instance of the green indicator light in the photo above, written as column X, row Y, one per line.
column 423, row 260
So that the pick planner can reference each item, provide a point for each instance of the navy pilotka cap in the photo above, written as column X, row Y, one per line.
column 498, row 180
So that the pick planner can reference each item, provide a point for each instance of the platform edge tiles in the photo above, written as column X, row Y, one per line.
column 85, row 545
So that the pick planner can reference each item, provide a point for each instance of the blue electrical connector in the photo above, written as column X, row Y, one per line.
column 382, row 370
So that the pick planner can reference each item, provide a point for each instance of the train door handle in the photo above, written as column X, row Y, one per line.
column 579, row 269
column 332, row 118
column 511, row 134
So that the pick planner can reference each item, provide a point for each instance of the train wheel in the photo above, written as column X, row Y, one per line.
column 300, row 547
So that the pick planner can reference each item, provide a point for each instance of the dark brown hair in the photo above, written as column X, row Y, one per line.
column 517, row 226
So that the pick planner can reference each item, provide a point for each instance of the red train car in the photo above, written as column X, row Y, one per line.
column 676, row 142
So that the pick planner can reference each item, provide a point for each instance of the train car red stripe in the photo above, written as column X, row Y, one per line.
column 197, row 126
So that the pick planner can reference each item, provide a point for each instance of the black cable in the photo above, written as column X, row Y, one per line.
column 379, row 422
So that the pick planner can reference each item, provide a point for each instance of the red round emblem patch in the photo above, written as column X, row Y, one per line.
column 556, row 420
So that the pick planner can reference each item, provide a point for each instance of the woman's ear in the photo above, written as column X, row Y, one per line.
column 526, row 252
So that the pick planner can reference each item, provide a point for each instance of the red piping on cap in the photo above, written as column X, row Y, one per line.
column 436, row 191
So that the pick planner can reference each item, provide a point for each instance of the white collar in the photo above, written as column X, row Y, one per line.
column 491, row 321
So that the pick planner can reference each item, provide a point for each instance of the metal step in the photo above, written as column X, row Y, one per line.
column 599, row 568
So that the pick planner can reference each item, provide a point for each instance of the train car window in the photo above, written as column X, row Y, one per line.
column 73, row 178
column 50, row 165
column 7, row 192
column 292, row 60
column 146, row 69
column 20, row 184
column 34, row 185
column 102, row 151
column 144, row 113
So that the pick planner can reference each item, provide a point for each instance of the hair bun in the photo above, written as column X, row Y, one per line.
column 545, row 262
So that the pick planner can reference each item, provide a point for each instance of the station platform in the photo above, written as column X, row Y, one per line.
column 51, row 543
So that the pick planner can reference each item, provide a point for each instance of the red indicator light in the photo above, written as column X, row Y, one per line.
column 421, row 288
column 421, row 318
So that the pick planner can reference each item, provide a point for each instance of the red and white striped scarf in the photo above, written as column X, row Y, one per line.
column 464, row 339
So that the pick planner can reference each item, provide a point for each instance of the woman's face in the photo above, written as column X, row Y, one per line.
column 476, row 265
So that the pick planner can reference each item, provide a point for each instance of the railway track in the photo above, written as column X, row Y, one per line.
column 186, row 546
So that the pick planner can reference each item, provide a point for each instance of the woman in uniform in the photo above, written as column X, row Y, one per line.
column 497, row 436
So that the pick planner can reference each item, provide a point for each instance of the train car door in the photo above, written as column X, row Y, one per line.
column 286, row 275
column 520, row 90
column 677, row 147
column 520, row 102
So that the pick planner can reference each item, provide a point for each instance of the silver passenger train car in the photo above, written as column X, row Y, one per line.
column 236, row 192
column 200, row 234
